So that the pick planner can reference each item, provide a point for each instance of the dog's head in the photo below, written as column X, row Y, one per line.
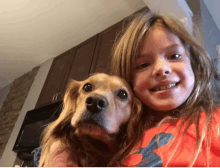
column 102, row 108
column 99, row 105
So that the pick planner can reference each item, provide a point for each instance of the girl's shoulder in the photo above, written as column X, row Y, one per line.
column 159, row 142
column 216, row 115
column 214, row 125
column 155, row 140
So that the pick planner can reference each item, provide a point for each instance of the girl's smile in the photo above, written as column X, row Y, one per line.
column 165, row 89
column 163, row 76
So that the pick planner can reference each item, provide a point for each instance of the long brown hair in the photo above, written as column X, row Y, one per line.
column 201, row 99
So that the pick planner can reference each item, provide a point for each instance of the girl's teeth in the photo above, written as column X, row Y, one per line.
column 166, row 87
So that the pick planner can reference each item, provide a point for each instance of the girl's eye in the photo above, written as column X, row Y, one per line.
column 87, row 87
column 175, row 56
column 144, row 65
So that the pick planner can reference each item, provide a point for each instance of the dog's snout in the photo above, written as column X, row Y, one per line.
column 96, row 103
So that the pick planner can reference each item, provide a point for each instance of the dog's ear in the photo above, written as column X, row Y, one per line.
column 71, row 92
column 56, row 129
column 69, row 105
column 70, row 96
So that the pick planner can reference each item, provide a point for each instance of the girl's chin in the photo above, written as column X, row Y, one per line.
column 166, row 108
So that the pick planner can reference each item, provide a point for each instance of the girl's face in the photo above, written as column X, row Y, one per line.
column 163, row 76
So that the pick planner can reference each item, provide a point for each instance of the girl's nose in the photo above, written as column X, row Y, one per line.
column 162, row 68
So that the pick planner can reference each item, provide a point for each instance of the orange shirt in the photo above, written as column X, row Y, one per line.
column 149, row 153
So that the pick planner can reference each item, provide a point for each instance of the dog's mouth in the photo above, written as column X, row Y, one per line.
column 92, row 129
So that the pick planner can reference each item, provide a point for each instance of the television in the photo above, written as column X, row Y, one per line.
column 33, row 125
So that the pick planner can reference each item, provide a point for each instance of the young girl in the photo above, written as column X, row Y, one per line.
column 171, row 75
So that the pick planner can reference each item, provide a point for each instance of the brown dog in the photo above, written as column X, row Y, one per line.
column 93, row 124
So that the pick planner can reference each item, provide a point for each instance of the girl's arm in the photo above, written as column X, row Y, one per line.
column 59, row 157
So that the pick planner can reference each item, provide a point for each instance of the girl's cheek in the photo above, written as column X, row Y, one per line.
column 140, row 82
column 135, row 83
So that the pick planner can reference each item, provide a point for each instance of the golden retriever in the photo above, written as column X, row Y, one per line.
column 95, row 123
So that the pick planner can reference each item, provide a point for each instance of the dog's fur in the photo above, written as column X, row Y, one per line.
column 95, row 123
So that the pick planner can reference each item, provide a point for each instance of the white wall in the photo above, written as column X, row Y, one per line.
column 173, row 8
column 213, row 7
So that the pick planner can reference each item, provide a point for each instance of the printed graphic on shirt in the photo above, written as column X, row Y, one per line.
column 150, row 158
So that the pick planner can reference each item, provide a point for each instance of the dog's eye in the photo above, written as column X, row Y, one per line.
column 122, row 94
column 87, row 87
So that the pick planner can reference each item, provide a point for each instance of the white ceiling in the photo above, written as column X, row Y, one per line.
column 33, row 31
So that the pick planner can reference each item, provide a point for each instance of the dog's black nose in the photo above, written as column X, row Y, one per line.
column 96, row 103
